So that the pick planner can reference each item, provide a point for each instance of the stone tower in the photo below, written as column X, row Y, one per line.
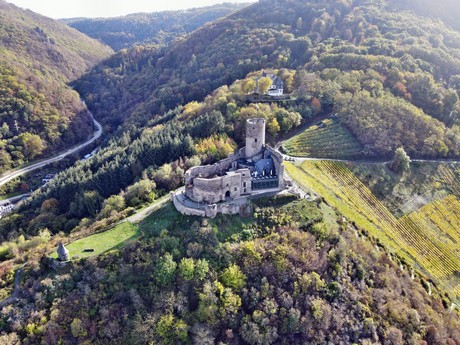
column 63, row 253
column 255, row 137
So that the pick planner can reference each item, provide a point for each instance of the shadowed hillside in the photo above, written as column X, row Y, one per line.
column 39, row 113
column 334, row 267
column 445, row 10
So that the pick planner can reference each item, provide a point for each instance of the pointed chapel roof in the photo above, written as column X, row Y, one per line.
column 62, row 250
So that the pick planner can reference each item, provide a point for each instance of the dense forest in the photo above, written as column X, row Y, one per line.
column 416, row 57
column 380, row 84
column 39, row 113
column 183, row 137
column 158, row 28
column 143, row 164
column 293, row 274
column 446, row 10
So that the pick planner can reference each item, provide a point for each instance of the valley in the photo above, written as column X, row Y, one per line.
column 40, row 114
column 158, row 28
column 360, row 100
column 10, row 175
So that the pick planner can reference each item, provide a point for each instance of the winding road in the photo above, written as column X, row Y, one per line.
column 10, row 175
column 140, row 215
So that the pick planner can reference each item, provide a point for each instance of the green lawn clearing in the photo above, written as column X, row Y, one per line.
column 104, row 241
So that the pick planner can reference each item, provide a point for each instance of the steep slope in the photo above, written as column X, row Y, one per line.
column 416, row 57
column 298, row 272
column 378, row 81
column 39, row 113
column 293, row 274
column 447, row 10
column 149, row 28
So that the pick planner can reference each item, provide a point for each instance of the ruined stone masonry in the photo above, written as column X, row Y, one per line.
column 225, row 187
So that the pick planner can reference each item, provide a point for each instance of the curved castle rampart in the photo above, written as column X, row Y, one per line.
column 225, row 186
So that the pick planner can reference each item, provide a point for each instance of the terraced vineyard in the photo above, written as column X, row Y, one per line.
column 442, row 217
column 427, row 238
column 328, row 139
column 449, row 177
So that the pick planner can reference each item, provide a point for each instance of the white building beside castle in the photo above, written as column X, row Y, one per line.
column 276, row 89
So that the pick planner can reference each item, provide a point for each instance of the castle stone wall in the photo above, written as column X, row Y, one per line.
column 215, row 169
column 208, row 190
column 246, row 179
column 188, row 211
column 216, row 189
column 229, row 209
column 210, row 210
column 212, row 189
column 279, row 167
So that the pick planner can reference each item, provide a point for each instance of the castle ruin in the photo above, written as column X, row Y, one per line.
column 254, row 171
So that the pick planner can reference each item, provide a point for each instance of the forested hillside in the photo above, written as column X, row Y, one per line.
column 415, row 58
column 446, row 10
column 293, row 274
column 149, row 28
column 387, row 81
column 39, row 113
column 390, row 82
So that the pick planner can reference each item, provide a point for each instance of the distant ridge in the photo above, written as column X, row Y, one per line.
column 150, row 28
column 268, row 34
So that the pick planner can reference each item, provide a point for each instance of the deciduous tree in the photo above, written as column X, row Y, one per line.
column 400, row 162
column 264, row 84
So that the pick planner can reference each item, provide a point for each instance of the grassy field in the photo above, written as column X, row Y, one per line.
column 118, row 236
column 326, row 140
column 427, row 239
column 168, row 218
column 102, row 242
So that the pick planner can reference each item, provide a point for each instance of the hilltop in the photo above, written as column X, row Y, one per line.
column 39, row 113
column 149, row 28
column 368, row 257
column 142, row 165
column 385, row 91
